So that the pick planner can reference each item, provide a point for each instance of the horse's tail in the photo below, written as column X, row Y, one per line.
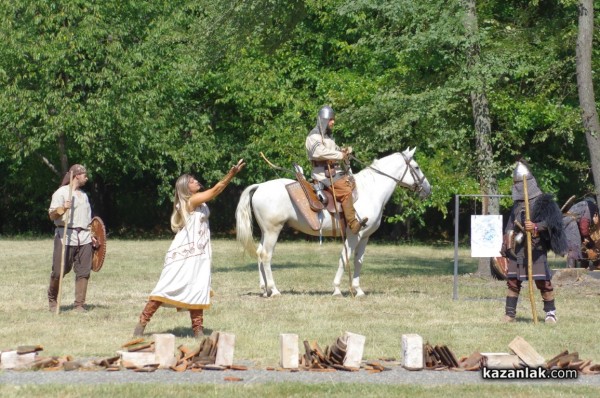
column 243, row 219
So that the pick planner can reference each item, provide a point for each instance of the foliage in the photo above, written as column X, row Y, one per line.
column 141, row 92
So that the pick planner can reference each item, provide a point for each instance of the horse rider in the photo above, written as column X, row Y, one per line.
column 330, row 165
column 578, row 223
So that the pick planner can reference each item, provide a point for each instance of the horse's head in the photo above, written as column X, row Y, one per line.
column 412, row 177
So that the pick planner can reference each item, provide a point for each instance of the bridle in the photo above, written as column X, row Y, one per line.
column 417, row 186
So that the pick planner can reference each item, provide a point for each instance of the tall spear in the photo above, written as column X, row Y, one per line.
column 342, row 232
column 64, row 243
column 529, row 253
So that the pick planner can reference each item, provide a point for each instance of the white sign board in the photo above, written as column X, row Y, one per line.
column 486, row 236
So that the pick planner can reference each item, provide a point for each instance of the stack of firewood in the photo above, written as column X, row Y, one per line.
column 330, row 359
column 439, row 357
column 202, row 358
column 199, row 358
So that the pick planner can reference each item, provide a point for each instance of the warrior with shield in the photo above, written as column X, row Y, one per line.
column 73, row 241
column 330, row 166
column 545, row 229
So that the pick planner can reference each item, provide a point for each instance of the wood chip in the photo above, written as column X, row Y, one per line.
column 26, row 349
column 213, row 367
column 552, row 362
column 565, row 360
column 181, row 366
column 230, row 378
column 71, row 365
column 133, row 342
column 141, row 347
column 106, row 362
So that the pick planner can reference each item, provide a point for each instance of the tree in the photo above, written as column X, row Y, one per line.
column 483, row 126
column 585, row 86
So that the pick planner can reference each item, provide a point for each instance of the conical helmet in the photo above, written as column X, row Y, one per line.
column 518, row 192
column 325, row 114
column 521, row 170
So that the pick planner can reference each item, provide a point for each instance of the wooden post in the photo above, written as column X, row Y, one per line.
column 529, row 253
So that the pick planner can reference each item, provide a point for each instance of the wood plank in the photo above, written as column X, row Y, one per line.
column 526, row 352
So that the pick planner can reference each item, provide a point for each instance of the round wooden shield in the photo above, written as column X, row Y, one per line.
column 99, row 232
column 499, row 268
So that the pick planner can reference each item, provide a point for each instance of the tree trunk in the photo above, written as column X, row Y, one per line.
column 62, row 153
column 585, row 87
column 483, row 125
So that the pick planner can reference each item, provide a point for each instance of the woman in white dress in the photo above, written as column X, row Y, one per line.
column 185, row 279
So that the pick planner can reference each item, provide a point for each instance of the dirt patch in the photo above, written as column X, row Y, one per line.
column 578, row 278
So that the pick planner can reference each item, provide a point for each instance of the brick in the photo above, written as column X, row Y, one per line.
column 412, row 352
column 12, row 360
column 164, row 349
column 355, row 345
column 225, row 348
column 288, row 351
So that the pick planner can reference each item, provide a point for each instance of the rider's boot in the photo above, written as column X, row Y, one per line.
column 350, row 216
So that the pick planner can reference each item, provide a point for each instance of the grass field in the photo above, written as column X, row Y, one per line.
column 408, row 290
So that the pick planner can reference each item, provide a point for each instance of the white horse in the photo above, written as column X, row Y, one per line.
column 272, row 208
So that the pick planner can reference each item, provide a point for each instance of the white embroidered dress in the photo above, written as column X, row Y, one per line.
column 185, row 279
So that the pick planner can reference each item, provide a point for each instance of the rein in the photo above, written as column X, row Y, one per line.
column 417, row 186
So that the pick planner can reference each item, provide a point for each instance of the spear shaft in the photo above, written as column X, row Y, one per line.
column 529, row 254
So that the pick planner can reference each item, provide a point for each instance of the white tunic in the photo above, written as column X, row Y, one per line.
column 80, row 216
column 185, row 279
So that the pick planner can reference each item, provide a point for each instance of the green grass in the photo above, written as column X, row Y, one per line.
column 409, row 290
column 290, row 390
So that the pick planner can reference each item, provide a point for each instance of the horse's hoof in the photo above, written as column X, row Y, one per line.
column 337, row 292
column 275, row 293
column 359, row 292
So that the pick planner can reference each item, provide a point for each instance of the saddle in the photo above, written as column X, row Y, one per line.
column 304, row 198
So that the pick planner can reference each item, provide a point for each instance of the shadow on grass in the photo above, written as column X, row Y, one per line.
column 399, row 267
column 253, row 267
column 410, row 266
column 181, row 331
column 70, row 308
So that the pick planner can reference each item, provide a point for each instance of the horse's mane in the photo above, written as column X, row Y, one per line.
column 377, row 164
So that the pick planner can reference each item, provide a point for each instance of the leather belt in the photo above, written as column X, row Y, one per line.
column 323, row 163
column 78, row 229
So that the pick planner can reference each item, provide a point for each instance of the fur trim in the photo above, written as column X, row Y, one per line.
column 546, row 209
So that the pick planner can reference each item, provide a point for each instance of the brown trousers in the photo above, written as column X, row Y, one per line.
column 77, row 258
column 343, row 188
